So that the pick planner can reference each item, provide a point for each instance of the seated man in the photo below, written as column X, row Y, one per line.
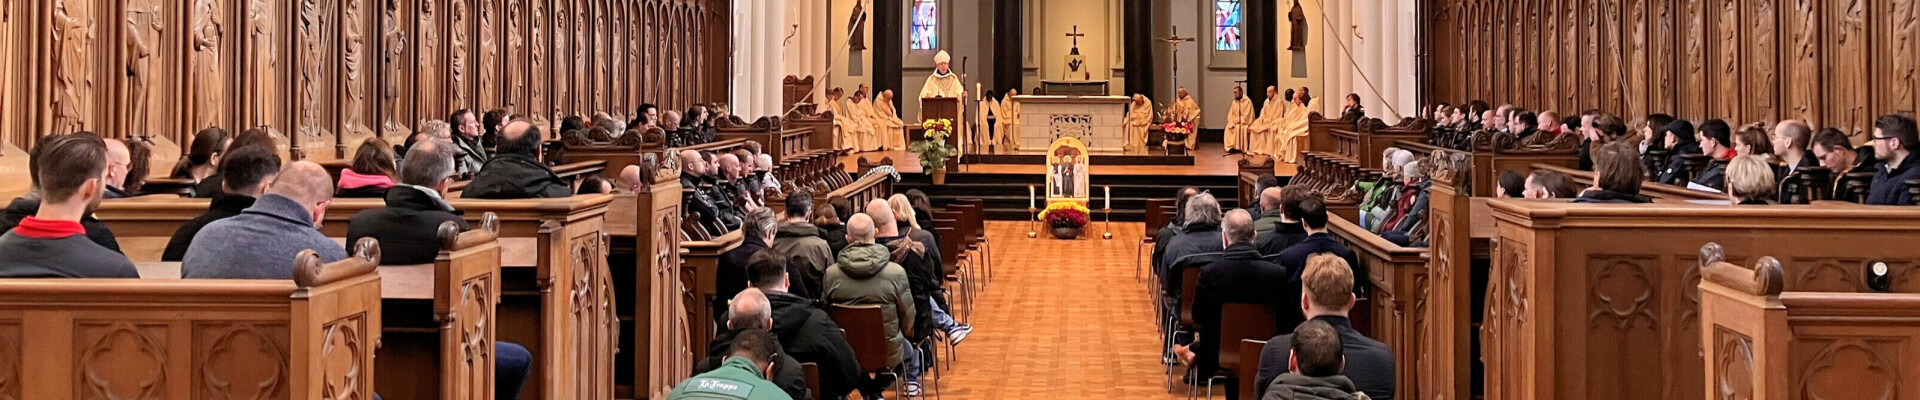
column 52, row 243
column 1715, row 140
column 1175, row 226
column 1269, row 214
column 1314, row 367
column 1290, row 230
column 756, row 234
column 249, row 171
column 749, row 360
column 1313, row 214
column 260, row 242
column 804, row 329
column 1328, row 288
column 1202, row 236
column 1545, row 184
column 29, row 204
column 749, row 311
column 919, row 252
column 1898, row 147
column 408, row 227
column 516, row 171
column 799, row 238
column 1238, row 276
column 692, row 172
column 118, row 159
column 862, row 275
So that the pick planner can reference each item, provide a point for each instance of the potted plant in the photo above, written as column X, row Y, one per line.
column 1066, row 218
column 1176, row 134
column 933, row 149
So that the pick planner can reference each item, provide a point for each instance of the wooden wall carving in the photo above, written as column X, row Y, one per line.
column 326, row 74
column 1835, row 63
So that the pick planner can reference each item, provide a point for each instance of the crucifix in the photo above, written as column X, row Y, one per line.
column 1075, row 62
column 1176, row 40
column 1076, row 38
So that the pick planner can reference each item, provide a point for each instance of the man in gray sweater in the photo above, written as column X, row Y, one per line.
column 261, row 242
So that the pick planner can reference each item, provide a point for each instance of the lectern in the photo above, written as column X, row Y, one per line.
column 941, row 107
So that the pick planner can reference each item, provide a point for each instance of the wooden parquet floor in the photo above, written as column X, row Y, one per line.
column 1060, row 320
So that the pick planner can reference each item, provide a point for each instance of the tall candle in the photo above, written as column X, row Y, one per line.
column 1029, row 196
column 1109, row 190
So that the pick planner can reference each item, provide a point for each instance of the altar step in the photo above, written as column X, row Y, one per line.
column 1006, row 193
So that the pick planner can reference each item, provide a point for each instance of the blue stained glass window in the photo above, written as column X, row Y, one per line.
column 1226, row 25
column 926, row 25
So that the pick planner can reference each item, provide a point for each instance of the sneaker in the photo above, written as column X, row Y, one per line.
column 913, row 389
column 958, row 334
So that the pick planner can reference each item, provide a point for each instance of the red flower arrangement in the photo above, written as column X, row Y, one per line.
column 1065, row 214
column 1176, row 131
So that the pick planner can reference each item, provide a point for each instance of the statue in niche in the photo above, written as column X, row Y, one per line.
column 559, row 71
column 353, row 40
column 600, row 30
column 311, row 26
column 143, row 28
column 260, row 23
column 457, row 62
column 427, row 41
column 73, row 28
column 210, row 89
column 516, row 87
column 489, row 53
column 535, row 64
column 580, row 44
column 395, row 49
column 857, row 25
column 1297, row 28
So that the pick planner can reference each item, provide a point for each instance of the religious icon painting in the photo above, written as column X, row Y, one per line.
column 1067, row 170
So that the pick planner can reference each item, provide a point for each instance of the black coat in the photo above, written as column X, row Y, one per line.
column 1715, row 176
column 1676, row 163
column 1890, row 185
column 23, row 207
column 786, row 370
column 1284, row 235
column 1369, row 362
column 731, row 276
column 224, row 206
column 923, row 277
column 1294, row 259
column 836, row 237
column 408, row 227
column 209, row 186
column 809, row 335
column 1240, row 276
column 1197, row 238
column 701, row 201
column 516, row 176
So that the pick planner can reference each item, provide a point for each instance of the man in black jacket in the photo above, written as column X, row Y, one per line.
column 1240, row 275
column 28, row 205
column 750, row 310
column 693, row 170
column 1715, row 137
column 1202, row 236
column 409, row 226
column 1290, row 230
column 1837, row 154
column 756, row 231
column 1175, row 226
column 804, row 329
column 517, row 173
column 1328, row 285
column 1897, row 146
column 1313, row 213
column 249, row 170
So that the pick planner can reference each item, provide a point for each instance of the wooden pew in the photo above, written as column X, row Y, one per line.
column 1365, row 144
column 1249, row 177
column 645, row 227
column 556, row 292
column 699, row 265
column 1320, row 131
column 1769, row 337
column 441, row 321
column 1660, row 192
column 1394, row 310
column 1488, row 163
column 311, row 337
column 1600, row 300
column 822, row 125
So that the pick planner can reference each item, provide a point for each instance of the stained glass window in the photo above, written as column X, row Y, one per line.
column 926, row 25
column 1226, row 25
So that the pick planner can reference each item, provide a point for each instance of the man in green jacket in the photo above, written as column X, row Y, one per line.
column 742, row 376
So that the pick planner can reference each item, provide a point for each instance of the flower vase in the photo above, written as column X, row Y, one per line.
column 939, row 176
column 1066, row 232
column 1177, row 148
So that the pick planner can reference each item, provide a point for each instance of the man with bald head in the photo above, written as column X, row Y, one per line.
column 119, row 159
column 261, row 242
column 863, row 276
column 629, row 180
column 699, row 199
column 751, row 311
column 1238, row 275
column 516, row 172
column 1269, row 210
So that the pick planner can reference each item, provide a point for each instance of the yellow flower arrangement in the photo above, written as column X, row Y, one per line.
column 1065, row 213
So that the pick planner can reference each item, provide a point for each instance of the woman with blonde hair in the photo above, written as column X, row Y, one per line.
column 1750, row 180
column 903, row 211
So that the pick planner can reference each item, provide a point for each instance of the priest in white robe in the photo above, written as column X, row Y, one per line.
column 1239, row 120
column 1139, row 122
column 1009, row 122
column 887, row 124
column 863, row 111
column 1186, row 110
column 847, row 128
column 1261, row 133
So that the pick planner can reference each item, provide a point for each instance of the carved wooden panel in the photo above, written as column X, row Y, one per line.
column 560, row 69
column 1846, row 367
column 473, row 344
column 1760, row 83
column 120, row 361
column 398, row 52
column 241, row 361
column 1633, row 50
column 1801, row 44
column 343, row 361
column 581, row 82
column 1737, row 376
column 1569, row 49
column 1662, row 82
column 429, row 52
column 1896, row 29
column 10, row 367
column 1609, row 54
column 513, row 41
column 359, row 64
column 487, row 82
column 459, row 47
column 1693, row 69
column 1621, row 318
column 1590, row 63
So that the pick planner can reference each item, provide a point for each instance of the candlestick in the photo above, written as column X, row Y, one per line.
column 1109, row 190
column 1029, row 196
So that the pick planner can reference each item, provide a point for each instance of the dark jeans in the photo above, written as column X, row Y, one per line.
column 511, row 364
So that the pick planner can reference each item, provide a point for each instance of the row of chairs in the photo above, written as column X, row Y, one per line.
column 966, row 260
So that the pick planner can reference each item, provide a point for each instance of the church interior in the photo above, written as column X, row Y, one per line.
column 995, row 199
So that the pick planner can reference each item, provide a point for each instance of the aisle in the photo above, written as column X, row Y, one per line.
column 1061, row 320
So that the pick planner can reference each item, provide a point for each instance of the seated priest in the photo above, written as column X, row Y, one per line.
column 52, row 243
column 517, row 172
column 1186, row 110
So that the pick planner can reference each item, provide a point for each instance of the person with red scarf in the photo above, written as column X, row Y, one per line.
column 52, row 243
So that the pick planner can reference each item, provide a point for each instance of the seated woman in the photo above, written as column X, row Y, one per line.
column 372, row 171
column 202, row 163
column 1617, row 175
column 1545, row 184
column 1750, row 180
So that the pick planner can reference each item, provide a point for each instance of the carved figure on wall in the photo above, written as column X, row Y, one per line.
column 428, row 39
column 516, row 86
column 1297, row 28
column 559, row 72
column 210, row 90
column 536, row 64
column 353, row 40
column 1903, row 27
column 1729, row 54
column 457, row 61
column 582, row 104
column 857, row 24
column 143, row 28
column 73, row 29
column 311, row 27
column 260, row 26
column 489, row 50
column 1764, row 42
column 395, row 47
column 601, row 42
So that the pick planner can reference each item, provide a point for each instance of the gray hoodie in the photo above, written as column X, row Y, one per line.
column 1291, row 386
column 863, row 276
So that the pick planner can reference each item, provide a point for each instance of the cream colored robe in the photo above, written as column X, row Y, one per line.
column 1239, row 123
column 1009, row 124
column 887, row 126
column 1186, row 110
column 851, row 127
column 1260, row 134
column 863, row 110
column 1292, row 129
column 947, row 86
column 1139, row 122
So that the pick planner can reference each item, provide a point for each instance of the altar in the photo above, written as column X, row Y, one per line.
column 1099, row 121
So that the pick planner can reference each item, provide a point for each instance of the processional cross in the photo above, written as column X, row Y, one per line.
column 1176, row 40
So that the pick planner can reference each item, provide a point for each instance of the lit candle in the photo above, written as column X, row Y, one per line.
column 1029, row 196
column 1109, row 190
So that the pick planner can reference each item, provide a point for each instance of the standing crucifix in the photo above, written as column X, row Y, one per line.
column 1076, row 64
column 1076, row 37
column 1176, row 40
